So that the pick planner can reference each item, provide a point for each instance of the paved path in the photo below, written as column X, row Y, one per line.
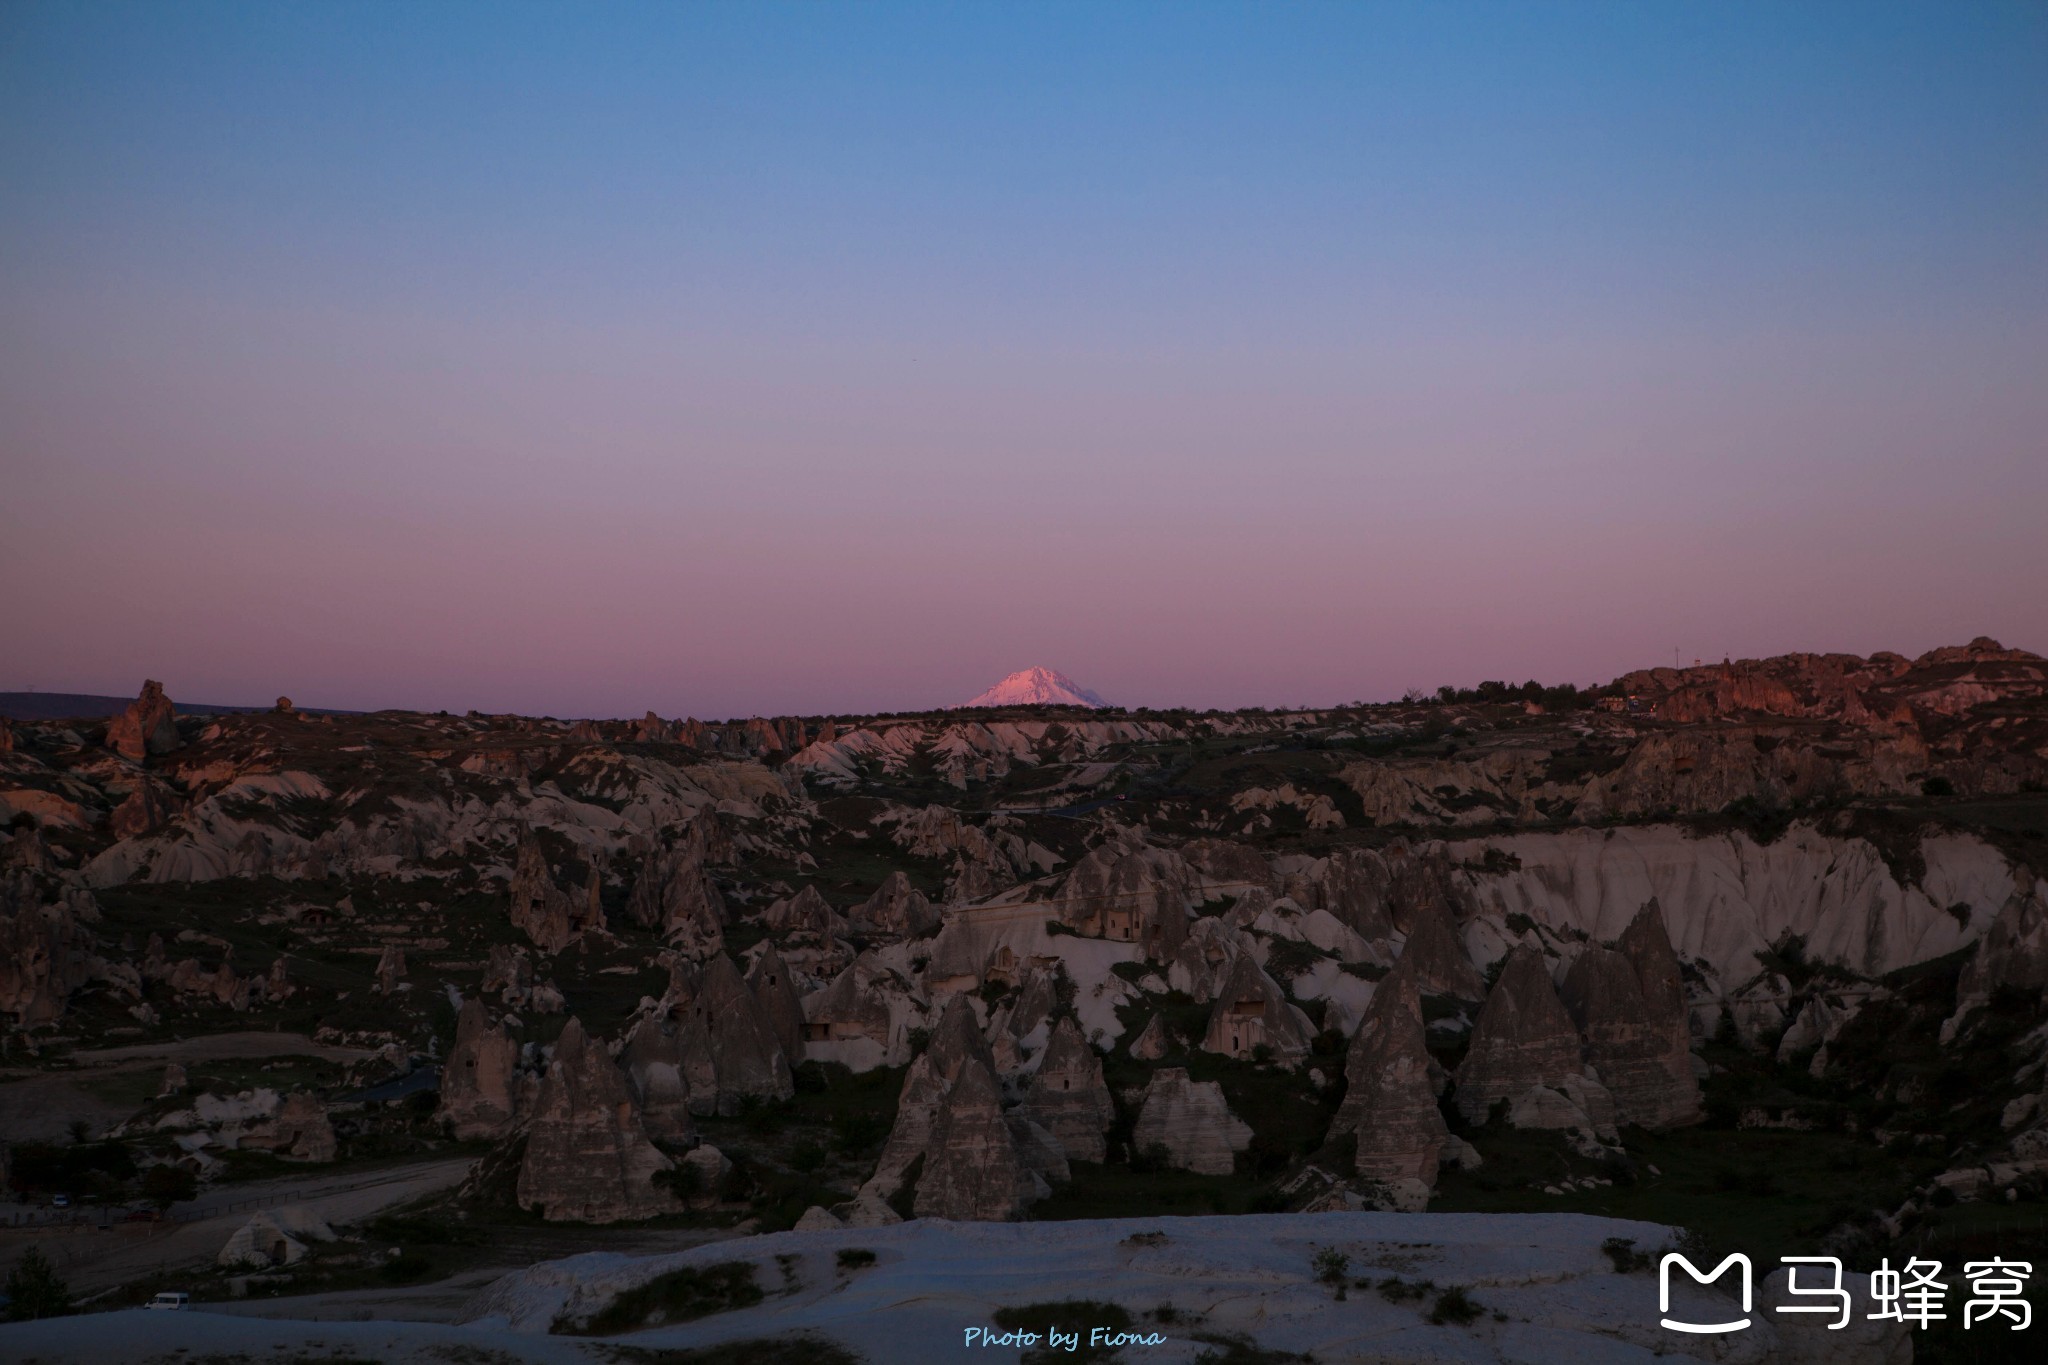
column 93, row 1260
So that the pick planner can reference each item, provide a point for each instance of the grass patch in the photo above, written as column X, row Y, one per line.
column 679, row 1296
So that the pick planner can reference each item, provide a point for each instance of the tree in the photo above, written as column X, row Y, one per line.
column 34, row 1289
column 164, row 1186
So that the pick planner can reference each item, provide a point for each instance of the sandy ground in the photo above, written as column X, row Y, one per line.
column 92, row 1260
column 41, row 1106
column 1549, row 1295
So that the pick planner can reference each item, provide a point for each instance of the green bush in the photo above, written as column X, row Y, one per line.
column 855, row 1258
column 35, row 1290
column 1454, row 1306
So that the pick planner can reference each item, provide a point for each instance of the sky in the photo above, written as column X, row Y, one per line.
column 732, row 359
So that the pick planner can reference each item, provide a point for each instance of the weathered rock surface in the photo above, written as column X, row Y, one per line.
column 1523, row 1037
column 972, row 1168
column 1633, row 1020
column 480, row 1080
column 674, row 893
column 146, row 727
column 775, row 992
column 390, row 968
column 1390, row 1102
column 897, row 907
column 1252, row 1012
column 1153, row 1041
column 729, row 1046
column 1440, row 966
column 653, row 1062
column 1190, row 1122
column 539, row 909
column 1068, row 1097
column 1128, row 890
column 587, row 1157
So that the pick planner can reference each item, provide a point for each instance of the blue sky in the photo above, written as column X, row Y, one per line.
column 837, row 356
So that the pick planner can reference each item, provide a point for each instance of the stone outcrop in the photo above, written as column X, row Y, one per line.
column 1389, row 1099
column 480, row 1079
column 674, row 893
column 1153, row 1041
column 390, row 968
column 45, row 955
column 1252, row 1012
column 1189, row 1123
column 1630, row 1008
column 1523, row 1037
column 1438, row 961
column 509, row 972
column 146, row 727
column 302, row 1131
column 775, row 992
column 897, row 907
column 1068, row 1097
column 729, row 1046
column 1128, row 890
column 807, row 912
column 653, row 1062
column 145, row 810
column 539, row 909
column 587, row 1157
column 972, row 1168
column 860, row 1002
column 956, row 1042
column 1203, row 962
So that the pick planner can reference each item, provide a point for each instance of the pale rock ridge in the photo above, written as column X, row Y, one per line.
column 587, row 1157
column 1191, row 1122
column 1068, row 1097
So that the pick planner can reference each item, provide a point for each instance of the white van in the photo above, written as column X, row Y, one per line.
column 170, row 1303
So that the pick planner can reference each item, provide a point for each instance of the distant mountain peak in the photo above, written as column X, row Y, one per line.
column 1037, row 687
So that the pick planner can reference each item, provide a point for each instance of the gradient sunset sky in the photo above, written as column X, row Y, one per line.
column 724, row 359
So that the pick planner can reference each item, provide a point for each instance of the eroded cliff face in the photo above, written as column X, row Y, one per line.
column 588, row 1160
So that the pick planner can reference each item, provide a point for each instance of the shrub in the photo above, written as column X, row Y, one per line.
column 1622, row 1252
column 34, row 1289
column 855, row 1258
column 1331, row 1266
column 1454, row 1305
column 679, row 1296
column 1937, row 786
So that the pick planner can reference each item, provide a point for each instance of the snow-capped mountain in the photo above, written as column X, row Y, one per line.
column 1037, row 687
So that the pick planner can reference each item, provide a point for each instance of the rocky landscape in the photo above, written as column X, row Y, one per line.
column 1756, row 950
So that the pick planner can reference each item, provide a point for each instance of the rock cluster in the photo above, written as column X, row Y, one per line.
column 1128, row 890
column 587, row 1157
column 674, row 893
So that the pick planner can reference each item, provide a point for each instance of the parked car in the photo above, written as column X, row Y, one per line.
column 169, row 1302
column 60, row 1201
